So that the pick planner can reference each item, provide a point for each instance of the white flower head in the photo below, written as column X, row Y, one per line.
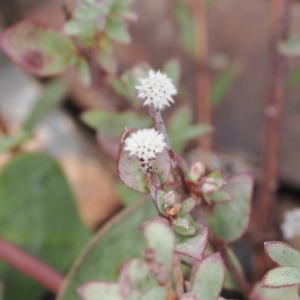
column 145, row 144
column 291, row 225
column 157, row 90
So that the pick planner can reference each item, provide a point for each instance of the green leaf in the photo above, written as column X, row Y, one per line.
column 12, row 141
column 189, row 296
column 159, row 292
column 290, row 47
column 119, row 6
column 193, row 246
column 135, row 275
column 160, row 237
column 187, row 206
column 183, row 227
column 128, row 196
column 97, row 290
column 208, row 279
column 173, row 69
column 161, row 201
column 180, row 128
column 117, row 30
column 1, row 290
column 286, row 293
column 219, row 196
column 282, row 277
column 107, row 62
column 283, row 254
column 37, row 48
column 115, row 243
column 53, row 94
column 83, row 70
column 113, row 124
column 222, row 84
column 293, row 79
column 38, row 213
column 125, row 86
column 184, row 18
column 230, row 220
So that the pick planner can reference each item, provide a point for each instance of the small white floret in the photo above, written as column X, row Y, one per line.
column 157, row 90
column 291, row 225
column 145, row 144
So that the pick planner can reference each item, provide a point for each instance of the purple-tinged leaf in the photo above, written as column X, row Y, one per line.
column 230, row 220
column 196, row 171
column 37, row 48
column 99, row 290
column 187, row 206
column 159, row 292
column 130, row 171
column 161, row 238
column 169, row 198
column 184, row 227
column 262, row 293
column 282, row 277
column 189, row 296
column 207, row 279
column 283, row 254
column 143, row 225
column 193, row 246
column 135, row 277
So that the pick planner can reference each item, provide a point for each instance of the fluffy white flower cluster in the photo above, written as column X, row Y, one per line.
column 157, row 90
column 291, row 225
column 145, row 144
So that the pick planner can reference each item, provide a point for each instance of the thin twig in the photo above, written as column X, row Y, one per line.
column 178, row 276
column 65, row 9
column 30, row 266
column 239, row 277
column 273, row 115
column 203, row 81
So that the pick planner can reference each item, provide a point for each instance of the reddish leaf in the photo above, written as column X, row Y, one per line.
column 37, row 48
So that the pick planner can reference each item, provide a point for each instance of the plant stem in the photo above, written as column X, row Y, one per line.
column 178, row 276
column 153, row 182
column 160, row 126
column 30, row 266
column 65, row 9
column 221, row 246
column 273, row 115
column 3, row 126
column 203, row 81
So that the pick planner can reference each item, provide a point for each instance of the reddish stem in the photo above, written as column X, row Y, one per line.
column 30, row 266
column 273, row 115
column 203, row 83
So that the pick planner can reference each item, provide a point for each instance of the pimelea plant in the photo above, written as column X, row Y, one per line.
column 147, row 163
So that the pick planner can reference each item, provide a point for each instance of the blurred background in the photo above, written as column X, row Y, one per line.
column 239, row 37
